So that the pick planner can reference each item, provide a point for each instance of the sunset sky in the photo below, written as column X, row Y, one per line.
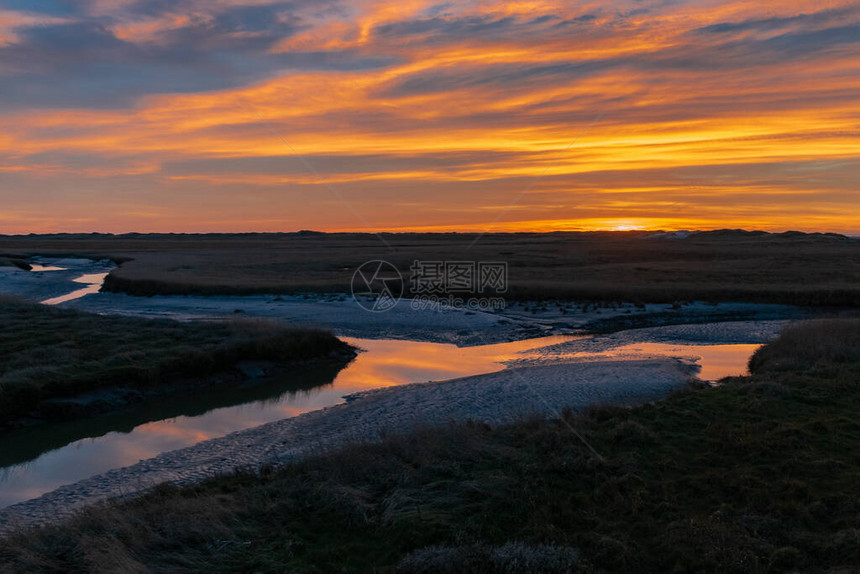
column 221, row 115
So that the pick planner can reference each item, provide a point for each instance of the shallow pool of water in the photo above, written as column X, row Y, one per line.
column 714, row 361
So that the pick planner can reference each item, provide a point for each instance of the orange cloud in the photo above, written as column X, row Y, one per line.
column 439, row 118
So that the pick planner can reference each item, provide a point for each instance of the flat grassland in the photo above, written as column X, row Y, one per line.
column 757, row 475
column 48, row 354
column 806, row 269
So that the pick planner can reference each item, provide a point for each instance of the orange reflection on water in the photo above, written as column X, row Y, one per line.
column 389, row 363
column 171, row 428
column 386, row 363
column 714, row 361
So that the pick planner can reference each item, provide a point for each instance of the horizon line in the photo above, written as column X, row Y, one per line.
column 443, row 232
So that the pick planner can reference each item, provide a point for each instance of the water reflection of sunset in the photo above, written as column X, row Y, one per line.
column 714, row 361
column 398, row 362
column 385, row 363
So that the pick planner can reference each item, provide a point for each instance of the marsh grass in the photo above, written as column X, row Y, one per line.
column 797, row 268
column 823, row 343
column 14, row 262
column 757, row 475
column 49, row 353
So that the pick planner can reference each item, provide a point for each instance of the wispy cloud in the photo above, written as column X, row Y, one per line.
column 430, row 114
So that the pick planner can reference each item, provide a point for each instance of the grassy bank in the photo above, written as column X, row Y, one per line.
column 758, row 475
column 796, row 268
column 48, row 354
column 14, row 262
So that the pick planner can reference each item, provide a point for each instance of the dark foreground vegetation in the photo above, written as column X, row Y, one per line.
column 59, row 364
column 758, row 475
column 796, row 268
column 14, row 262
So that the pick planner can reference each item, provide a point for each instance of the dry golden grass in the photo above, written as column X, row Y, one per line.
column 816, row 269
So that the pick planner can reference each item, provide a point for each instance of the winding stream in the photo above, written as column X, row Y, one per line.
column 37, row 460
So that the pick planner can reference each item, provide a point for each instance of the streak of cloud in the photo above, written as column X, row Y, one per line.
column 429, row 115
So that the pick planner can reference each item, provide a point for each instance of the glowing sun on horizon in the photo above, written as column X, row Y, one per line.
column 623, row 225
